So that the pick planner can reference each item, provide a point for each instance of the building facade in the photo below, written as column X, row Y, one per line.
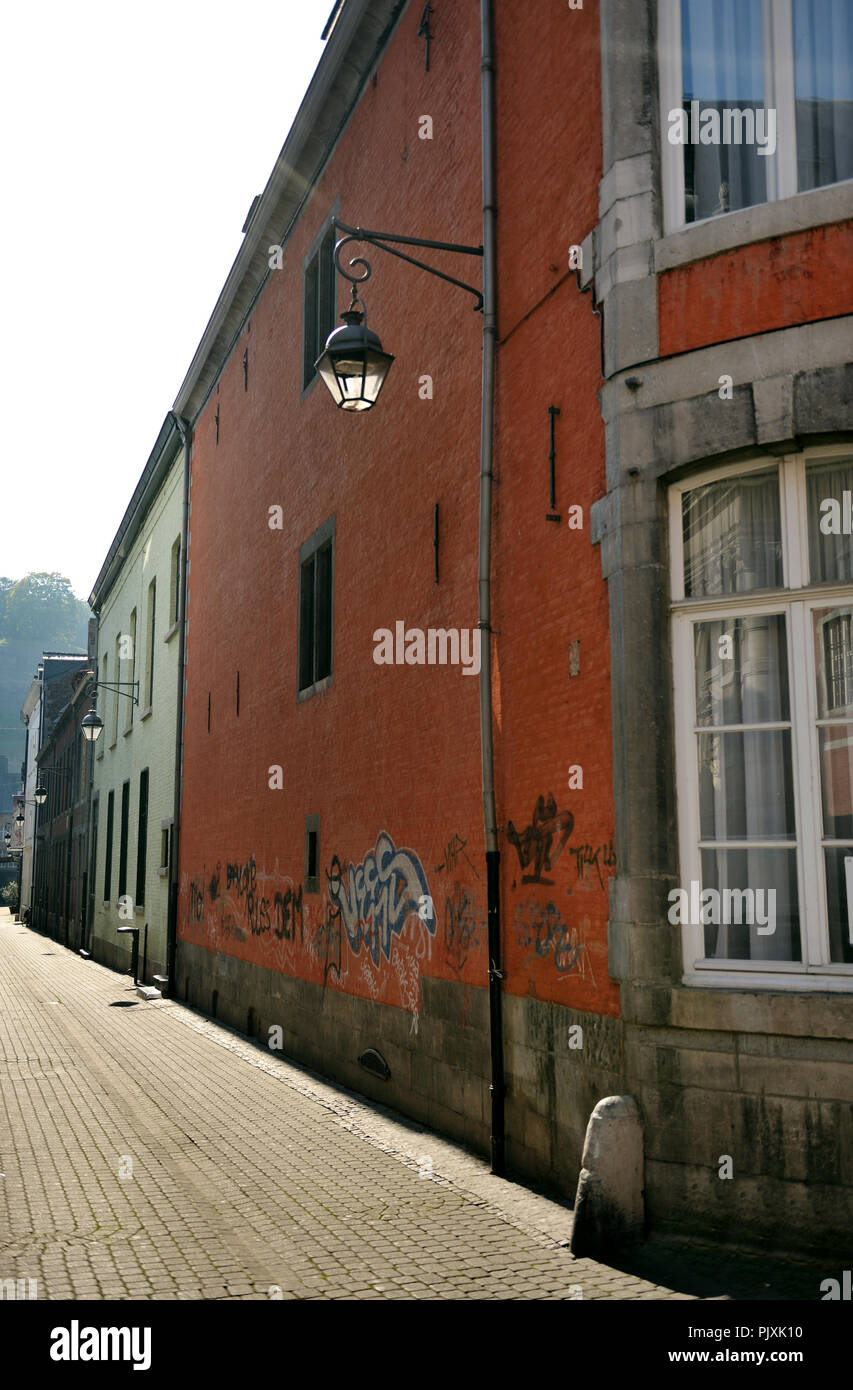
column 723, row 276
column 64, row 766
column 136, row 600
column 51, row 689
column 30, row 716
column 334, row 875
column 665, row 677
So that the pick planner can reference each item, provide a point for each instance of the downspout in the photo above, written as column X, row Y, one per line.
column 487, row 421
column 185, row 430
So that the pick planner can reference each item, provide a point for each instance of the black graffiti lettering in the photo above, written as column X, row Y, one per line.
column 464, row 928
column 196, row 901
column 536, row 841
column 287, row 907
column 589, row 854
column 452, row 850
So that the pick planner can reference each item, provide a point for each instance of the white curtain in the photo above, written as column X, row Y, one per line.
column 823, row 90
column 830, row 556
column 722, row 65
column 745, row 778
column 732, row 536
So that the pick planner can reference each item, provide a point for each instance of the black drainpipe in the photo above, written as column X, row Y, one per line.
column 185, row 430
column 487, row 421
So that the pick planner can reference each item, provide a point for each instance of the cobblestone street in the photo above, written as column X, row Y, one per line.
column 149, row 1153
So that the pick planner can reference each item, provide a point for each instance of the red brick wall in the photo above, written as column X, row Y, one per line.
column 770, row 284
column 549, row 591
column 397, row 749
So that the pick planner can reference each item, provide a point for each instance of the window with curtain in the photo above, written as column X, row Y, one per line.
column 763, row 662
column 786, row 66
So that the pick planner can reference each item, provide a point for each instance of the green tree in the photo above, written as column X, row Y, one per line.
column 38, row 613
column 43, row 607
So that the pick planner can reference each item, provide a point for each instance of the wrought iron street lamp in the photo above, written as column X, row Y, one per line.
column 354, row 365
column 91, row 723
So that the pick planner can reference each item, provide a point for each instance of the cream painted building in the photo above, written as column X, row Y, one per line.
column 137, row 599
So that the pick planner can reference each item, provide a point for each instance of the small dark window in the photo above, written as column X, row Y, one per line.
column 312, row 854
column 175, row 582
column 108, row 858
column 315, row 616
column 142, row 839
column 92, row 879
column 122, row 844
column 319, row 302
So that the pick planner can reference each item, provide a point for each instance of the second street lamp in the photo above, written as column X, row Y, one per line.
column 91, row 724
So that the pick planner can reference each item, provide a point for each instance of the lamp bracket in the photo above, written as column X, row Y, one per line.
column 114, row 687
column 381, row 239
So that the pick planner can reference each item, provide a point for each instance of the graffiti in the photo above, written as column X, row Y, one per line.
column 213, row 886
column 325, row 937
column 589, row 854
column 535, row 844
column 196, row 901
column 452, row 851
column 376, row 897
column 243, row 879
column 287, row 908
column 543, row 930
column 408, row 977
column 464, row 928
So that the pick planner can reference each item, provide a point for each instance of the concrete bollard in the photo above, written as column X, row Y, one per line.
column 609, row 1201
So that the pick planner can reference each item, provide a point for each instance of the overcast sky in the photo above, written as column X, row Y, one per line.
column 134, row 139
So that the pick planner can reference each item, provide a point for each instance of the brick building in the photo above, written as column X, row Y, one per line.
column 51, row 688
column 669, row 644
column 64, row 772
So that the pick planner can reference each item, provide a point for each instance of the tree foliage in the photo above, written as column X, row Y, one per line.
column 42, row 607
column 37, row 613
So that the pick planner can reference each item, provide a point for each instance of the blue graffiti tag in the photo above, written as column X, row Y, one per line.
column 376, row 897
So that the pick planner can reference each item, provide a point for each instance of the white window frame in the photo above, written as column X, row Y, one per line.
column 777, row 30
column 796, row 600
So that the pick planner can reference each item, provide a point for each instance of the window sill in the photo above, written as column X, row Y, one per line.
column 163, row 871
column 146, row 713
column 139, row 909
column 697, row 241
column 113, row 744
column 128, row 730
column 779, row 980
column 316, row 689
column 172, row 630
column 99, row 755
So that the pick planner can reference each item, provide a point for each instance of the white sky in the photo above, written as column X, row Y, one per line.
column 133, row 141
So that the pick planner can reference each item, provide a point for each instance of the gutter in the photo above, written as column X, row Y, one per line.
column 184, row 428
column 484, row 616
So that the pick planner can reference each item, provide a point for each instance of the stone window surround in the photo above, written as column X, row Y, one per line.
column 781, row 167
column 790, row 386
column 785, row 975
column 315, row 542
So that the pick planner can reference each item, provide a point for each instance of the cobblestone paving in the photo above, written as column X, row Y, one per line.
column 149, row 1153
